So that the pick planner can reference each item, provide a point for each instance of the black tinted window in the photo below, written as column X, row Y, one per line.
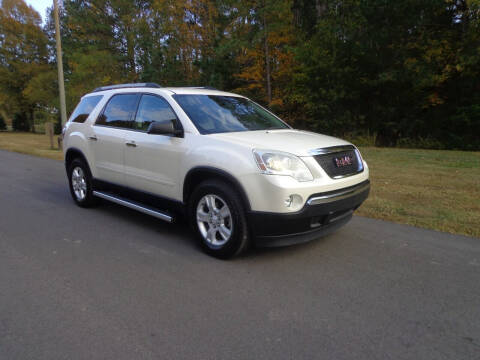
column 84, row 108
column 152, row 108
column 119, row 111
column 216, row 114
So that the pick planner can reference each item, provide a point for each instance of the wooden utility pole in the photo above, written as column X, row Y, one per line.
column 267, row 60
column 61, row 85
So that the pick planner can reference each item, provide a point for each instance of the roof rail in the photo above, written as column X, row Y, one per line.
column 199, row 87
column 124, row 86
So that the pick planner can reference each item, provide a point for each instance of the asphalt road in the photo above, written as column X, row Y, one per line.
column 110, row 283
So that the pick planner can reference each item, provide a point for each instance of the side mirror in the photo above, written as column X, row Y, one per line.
column 165, row 127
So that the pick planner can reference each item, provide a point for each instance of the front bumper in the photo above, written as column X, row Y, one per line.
column 322, row 214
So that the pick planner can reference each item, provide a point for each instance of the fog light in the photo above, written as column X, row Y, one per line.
column 288, row 201
column 294, row 202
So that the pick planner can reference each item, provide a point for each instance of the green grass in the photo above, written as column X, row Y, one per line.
column 433, row 189
column 427, row 188
column 28, row 143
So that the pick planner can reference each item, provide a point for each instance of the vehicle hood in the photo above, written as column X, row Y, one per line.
column 296, row 142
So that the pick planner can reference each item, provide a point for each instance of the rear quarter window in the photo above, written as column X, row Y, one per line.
column 84, row 108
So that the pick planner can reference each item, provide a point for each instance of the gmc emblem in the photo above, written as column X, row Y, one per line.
column 343, row 161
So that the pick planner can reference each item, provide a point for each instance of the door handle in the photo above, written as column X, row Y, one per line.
column 93, row 138
column 131, row 143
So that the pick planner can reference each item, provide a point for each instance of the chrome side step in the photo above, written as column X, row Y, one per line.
column 134, row 205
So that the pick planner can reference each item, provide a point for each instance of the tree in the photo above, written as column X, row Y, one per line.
column 3, row 126
column 23, row 56
column 405, row 72
column 390, row 68
column 262, row 33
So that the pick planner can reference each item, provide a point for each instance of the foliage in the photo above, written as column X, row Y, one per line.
column 396, row 73
column 3, row 126
column 23, row 59
column 57, row 125
column 402, row 70
column 20, row 122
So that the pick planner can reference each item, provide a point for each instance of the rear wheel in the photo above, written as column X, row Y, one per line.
column 80, row 181
column 218, row 218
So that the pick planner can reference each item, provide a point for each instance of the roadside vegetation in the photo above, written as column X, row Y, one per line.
column 400, row 73
column 28, row 143
column 433, row 189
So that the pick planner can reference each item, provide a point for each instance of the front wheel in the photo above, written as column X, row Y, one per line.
column 218, row 218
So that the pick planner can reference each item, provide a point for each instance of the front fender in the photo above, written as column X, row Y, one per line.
column 233, row 161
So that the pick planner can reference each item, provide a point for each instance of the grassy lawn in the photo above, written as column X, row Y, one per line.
column 427, row 188
column 26, row 143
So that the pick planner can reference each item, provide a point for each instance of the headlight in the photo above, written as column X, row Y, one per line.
column 280, row 163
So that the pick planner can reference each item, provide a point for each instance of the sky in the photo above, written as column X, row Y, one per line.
column 40, row 6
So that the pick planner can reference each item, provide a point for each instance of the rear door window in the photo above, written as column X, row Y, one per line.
column 84, row 108
column 119, row 111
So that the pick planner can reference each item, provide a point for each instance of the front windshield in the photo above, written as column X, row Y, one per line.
column 213, row 114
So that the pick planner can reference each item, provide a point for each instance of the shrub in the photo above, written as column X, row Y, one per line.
column 20, row 122
column 360, row 139
column 420, row 143
column 57, row 127
column 3, row 126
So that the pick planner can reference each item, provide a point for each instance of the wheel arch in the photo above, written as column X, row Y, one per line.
column 74, row 153
column 199, row 174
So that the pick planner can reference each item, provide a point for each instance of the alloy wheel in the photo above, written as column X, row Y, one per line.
column 214, row 220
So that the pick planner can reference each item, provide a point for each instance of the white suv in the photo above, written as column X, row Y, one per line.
column 235, row 170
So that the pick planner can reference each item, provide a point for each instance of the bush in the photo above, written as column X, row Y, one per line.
column 420, row 143
column 57, row 127
column 20, row 122
column 3, row 126
column 360, row 139
column 464, row 129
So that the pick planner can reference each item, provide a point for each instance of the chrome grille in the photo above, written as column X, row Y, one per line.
column 328, row 159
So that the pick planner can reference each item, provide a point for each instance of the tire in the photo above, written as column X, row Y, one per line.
column 80, row 181
column 210, row 220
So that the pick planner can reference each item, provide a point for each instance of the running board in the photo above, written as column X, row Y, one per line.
column 134, row 205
